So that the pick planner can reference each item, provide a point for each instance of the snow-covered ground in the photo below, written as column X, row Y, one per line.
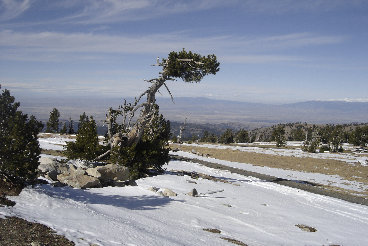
column 319, row 178
column 54, row 142
column 243, row 208
column 346, row 157
column 246, row 209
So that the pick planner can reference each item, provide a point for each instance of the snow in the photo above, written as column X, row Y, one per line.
column 246, row 209
column 319, row 178
column 243, row 208
column 54, row 143
column 345, row 157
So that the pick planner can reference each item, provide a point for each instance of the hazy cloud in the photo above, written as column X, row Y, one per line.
column 49, row 45
column 10, row 9
column 287, row 6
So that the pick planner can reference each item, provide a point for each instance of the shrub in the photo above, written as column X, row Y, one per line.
column 19, row 148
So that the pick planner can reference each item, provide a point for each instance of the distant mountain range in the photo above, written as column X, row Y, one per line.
column 204, row 110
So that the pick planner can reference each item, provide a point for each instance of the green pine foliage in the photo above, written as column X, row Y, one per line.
column 278, row 135
column 52, row 126
column 82, row 119
column 297, row 134
column 242, row 136
column 71, row 126
column 151, row 152
column 64, row 129
column 86, row 146
column 227, row 137
column 19, row 148
column 192, row 71
column 359, row 136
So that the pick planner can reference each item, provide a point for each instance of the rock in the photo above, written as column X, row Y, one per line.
column 109, row 172
column 76, row 171
column 194, row 192
column 306, row 228
column 132, row 183
column 47, row 164
column 119, row 183
column 58, row 184
column 50, row 168
column 80, row 181
column 93, row 172
column 168, row 192
column 153, row 189
column 52, row 175
column 213, row 230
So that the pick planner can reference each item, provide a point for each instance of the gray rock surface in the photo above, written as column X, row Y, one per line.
column 80, row 174
column 80, row 181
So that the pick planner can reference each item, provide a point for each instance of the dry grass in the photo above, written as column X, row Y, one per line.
column 347, row 171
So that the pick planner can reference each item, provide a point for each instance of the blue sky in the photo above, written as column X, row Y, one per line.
column 271, row 51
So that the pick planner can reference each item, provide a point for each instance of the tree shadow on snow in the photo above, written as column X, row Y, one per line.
column 142, row 202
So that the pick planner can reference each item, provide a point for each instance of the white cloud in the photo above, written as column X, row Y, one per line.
column 54, row 46
column 113, row 11
column 260, row 59
column 10, row 9
column 292, row 6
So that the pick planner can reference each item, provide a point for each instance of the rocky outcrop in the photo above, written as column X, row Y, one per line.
column 83, row 175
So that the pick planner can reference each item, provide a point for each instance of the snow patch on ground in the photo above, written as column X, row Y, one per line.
column 333, row 180
column 54, row 143
column 246, row 209
column 345, row 157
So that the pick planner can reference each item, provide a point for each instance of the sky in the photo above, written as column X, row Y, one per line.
column 271, row 51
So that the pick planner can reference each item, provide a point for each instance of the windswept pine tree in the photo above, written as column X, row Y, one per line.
column 141, row 142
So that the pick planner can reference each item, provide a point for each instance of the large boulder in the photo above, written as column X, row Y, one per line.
column 47, row 164
column 168, row 192
column 109, row 172
column 79, row 180
column 51, row 167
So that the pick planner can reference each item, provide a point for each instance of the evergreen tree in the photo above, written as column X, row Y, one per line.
column 227, row 137
column 336, row 139
column 359, row 137
column 52, row 125
column 278, row 135
column 19, row 148
column 82, row 119
column 205, row 137
column 71, row 126
column 242, row 136
column 151, row 152
column 86, row 146
column 297, row 134
column 64, row 129
column 212, row 138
